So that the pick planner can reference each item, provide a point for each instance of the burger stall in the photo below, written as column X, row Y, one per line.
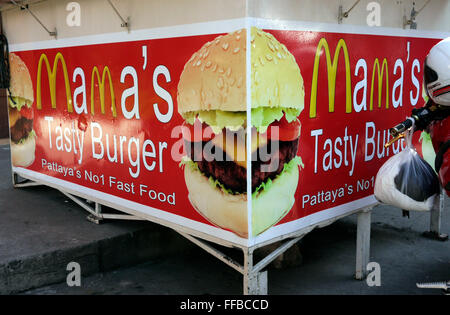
column 144, row 107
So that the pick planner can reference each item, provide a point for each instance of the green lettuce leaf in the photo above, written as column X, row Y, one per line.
column 288, row 167
column 18, row 102
column 187, row 162
column 262, row 117
column 30, row 135
column 218, row 119
column 270, row 206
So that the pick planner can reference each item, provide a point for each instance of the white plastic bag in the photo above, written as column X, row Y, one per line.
column 407, row 181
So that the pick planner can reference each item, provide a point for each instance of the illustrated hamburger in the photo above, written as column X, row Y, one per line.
column 20, row 99
column 212, row 99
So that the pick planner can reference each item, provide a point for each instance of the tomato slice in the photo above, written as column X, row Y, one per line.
column 287, row 131
column 27, row 112
column 197, row 132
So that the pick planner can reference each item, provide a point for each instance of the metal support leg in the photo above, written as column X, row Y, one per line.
column 97, row 217
column 255, row 280
column 362, row 244
column 15, row 179
column 215, row 252
column 255, row 283
column 435, row 219
column 248, row 266
column 17, row 183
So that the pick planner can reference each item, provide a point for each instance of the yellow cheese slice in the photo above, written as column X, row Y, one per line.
column 13, row 116
column 234, row 145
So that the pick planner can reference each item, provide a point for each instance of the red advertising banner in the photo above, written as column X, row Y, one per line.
column 357, row 86
column 117, row 121
column 104, row 114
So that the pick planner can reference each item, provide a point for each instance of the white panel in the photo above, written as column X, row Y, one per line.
column 435, row 16
column 98, row 17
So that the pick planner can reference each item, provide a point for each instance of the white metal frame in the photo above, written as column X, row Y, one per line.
column 254, row 275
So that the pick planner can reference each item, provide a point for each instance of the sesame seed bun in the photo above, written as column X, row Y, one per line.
column 215, row 76
column 276, row 77
column 224, row 210
column 214, row 79
column 20, row 84
column 230, row 211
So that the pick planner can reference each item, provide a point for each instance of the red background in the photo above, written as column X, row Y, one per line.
column 303, row 46
column 173, row 53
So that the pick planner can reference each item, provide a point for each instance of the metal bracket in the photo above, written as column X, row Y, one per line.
column 255, row 280
column 125, row 23
column 273, row 255
column 96, row 215
column 342, row 14
column 443, row 285
column 411, row 21
column 25, row 7
column 24, row 183
column 215, row 252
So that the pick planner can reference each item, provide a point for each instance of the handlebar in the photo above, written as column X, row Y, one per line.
column 420, row 118
column 395, row 131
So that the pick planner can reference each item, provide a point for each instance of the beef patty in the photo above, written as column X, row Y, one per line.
column 267, row 162
column 21, row 129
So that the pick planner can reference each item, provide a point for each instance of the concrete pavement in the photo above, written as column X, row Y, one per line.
column 328, row 265
column 41, row 231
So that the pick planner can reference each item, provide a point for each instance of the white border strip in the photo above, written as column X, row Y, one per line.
column 204, row 28
column 248, row 79
column 162, row 217
column 315, row 219
column 133, row 206
column 289, row 25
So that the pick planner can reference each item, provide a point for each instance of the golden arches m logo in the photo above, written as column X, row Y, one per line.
column 51, row 74
column 101, row 89
column 384, row 70
column 331, row 71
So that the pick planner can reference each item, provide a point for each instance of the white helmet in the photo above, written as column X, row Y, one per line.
column 437, row 73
